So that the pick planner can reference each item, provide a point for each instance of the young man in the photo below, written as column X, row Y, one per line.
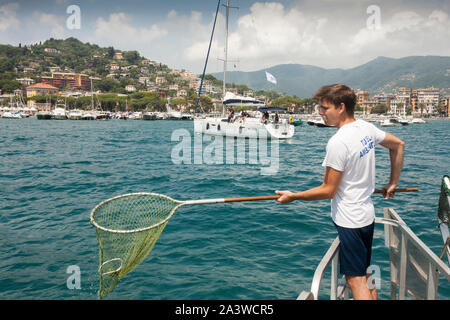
column 349, row 182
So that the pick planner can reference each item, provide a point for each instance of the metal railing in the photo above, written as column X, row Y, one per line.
column 414, row 268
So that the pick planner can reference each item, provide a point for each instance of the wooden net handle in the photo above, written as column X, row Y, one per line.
column 399, row 190
column 277, row 196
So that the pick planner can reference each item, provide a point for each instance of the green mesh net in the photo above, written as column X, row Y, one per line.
column 127, row 228
column 443, row 209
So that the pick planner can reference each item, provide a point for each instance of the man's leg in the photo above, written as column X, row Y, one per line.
column 372, row 286
column 360, row 288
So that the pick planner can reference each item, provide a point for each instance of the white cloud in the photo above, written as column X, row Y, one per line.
column 271, row 34
column 8, row 16
column 119, row 32
column 404, row 34
column 54, row 23
column 274, row 34
column 326, row 33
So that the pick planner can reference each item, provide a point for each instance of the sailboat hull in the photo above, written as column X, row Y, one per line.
column 250, row 128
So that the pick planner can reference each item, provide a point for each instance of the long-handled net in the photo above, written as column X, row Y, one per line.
column 129, row 225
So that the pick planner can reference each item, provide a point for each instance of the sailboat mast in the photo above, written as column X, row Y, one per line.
column 225, row 61
column 92, row 96
column 227, row 6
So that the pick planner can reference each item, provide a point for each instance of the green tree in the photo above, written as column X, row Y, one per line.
column 110, row 52
column 132, row 57
column 380, row 109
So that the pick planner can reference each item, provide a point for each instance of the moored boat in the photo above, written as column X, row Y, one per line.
column 149, row 116
column 88, row 116
column 75, row 114
column 386, row 123
column 60, row 114
column 11, row 115
column 418, row 120
column 44, row 115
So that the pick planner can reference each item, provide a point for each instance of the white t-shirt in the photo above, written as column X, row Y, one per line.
column 352, row 151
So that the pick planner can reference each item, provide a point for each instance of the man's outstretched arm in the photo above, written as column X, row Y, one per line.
column 327, row 190
column 396, row 151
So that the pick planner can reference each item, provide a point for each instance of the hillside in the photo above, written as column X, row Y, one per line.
column 379, row 75
column 70, row 54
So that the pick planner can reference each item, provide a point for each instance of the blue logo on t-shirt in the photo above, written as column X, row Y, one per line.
column 368, row 144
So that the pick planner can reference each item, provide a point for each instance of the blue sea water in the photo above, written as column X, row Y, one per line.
column 53, row 173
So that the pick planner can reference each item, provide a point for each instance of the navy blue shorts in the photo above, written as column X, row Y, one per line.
column 355, row 249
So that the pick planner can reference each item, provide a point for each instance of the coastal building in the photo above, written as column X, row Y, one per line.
column 188, row 75
column 384, row 99
column 414, row 101
column 70, row 80
column 52, row 50
column 404, row 94
column 447, row 105
column 114, row 66
column 118, row 55
column 25, row 81
column 160, row 80
column 147, row 62
column 367, row 105
column 40, row 89
column 29, row 70
column 130, row 88
column 54, row 69
column 428, row 99
column 144, row 80
column 182, row 93
column 397, row 105
column 362, row 96
column 194, row 84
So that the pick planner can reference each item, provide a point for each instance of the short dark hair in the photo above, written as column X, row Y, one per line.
column 337, row 94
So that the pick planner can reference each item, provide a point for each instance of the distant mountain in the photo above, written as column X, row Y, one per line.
column 379, row 75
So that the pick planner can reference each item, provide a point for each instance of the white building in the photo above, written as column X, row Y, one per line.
column 130, row 88
column 160, row 80
column 182, row 93
column 144, row 80
column 114, row 66
column 25, row 81
column 429, row 98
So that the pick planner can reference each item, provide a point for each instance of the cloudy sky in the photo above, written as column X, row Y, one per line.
column 324, row 33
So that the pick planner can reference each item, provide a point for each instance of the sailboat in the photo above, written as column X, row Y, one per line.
column 246, row 127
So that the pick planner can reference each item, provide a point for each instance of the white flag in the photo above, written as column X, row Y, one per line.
column 271, row 78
